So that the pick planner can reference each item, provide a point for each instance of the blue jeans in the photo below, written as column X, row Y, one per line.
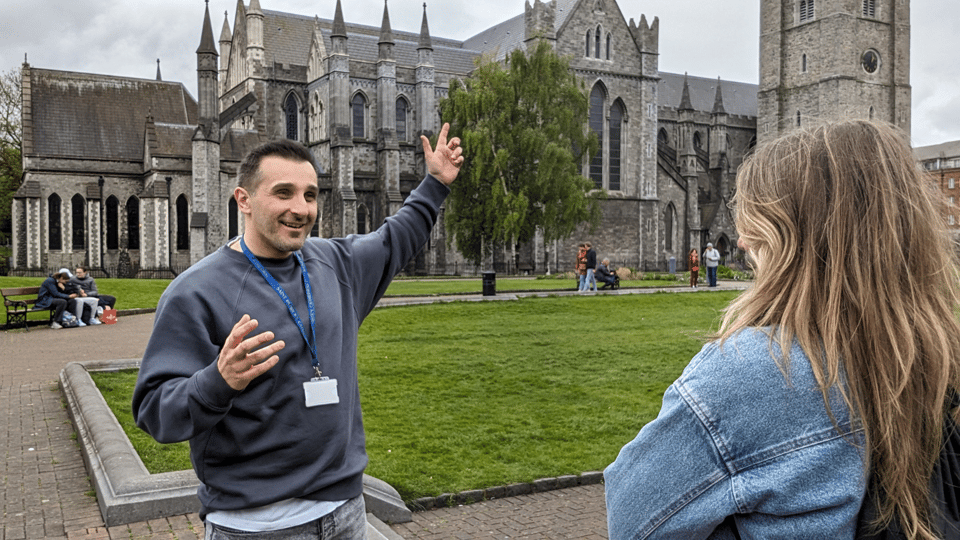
column 590, row 281
column 712, row 276
column 348, row 522
column 582, row 282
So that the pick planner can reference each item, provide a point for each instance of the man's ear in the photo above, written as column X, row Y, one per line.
column 243, row 199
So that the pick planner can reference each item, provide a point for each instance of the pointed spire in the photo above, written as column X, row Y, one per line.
column 386, row 34
column 225, row 34
column 685, row 103
column 718, row 101
column 207, row 44
column 255, row 7
column 339, row 28
column 425, row 41
column 158, row 70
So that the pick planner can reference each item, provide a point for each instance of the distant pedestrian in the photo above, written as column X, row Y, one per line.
column 712, row 258
column 694, row 265
column 581, row 267
column 591, row 280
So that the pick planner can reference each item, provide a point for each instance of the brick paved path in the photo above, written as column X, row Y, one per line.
column 45, row 492
column 562, row 514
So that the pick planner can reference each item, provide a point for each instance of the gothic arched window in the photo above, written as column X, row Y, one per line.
column 183, row 223
column 616, row 137
column 113, row 223
column 608, row 46
column 589, row 37
column 596, row 43
column 133, row 223
column 290, row 113
column 359, row 106
column 668, row 227
column 803, row 67
column 402, row 107
column 361, row 219
column 78, row 228
column 697, row 141
column 54, row 235
column 662, row 137
column 316, row 117
column 597, row 97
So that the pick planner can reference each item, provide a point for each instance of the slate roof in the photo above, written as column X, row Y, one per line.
column 947, row 150
column 738, row 98
column 286, row 39
column 509, row 35
column 88, row 116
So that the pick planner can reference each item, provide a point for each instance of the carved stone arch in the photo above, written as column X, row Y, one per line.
column 723, row 245
column 663, row 137
column 363, row 219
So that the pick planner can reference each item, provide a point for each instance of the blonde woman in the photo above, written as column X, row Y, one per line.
column 835, row 365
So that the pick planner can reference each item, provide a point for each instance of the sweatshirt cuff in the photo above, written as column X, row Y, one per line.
column 213, row 389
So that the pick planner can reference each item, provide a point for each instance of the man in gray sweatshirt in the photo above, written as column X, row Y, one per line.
column 253, row 356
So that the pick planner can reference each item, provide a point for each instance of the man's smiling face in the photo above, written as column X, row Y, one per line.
column 281, row 210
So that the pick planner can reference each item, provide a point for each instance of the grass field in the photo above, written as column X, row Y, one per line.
column 465, row 395
column 145, row 293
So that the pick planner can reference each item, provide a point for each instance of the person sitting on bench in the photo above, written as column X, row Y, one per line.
column 607, row 276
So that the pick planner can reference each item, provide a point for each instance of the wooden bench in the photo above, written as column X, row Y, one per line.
column 20, row 301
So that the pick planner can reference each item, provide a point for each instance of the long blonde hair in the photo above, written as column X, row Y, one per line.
column 854, row 262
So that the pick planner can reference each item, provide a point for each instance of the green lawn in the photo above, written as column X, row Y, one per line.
column 465, row 395
column 145, row 293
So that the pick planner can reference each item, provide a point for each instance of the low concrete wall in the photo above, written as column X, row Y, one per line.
column 126, row 491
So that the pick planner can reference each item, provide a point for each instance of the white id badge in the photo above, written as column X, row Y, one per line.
column 322, row 391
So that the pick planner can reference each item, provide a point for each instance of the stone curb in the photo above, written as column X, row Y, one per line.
column 126, row 491
column 445, row 500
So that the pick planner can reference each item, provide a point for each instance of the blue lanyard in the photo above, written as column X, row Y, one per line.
column 286, row 299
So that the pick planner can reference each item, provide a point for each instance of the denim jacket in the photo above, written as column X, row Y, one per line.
column 738, row 446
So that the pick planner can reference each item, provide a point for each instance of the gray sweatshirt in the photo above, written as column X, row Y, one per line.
column 262, row 444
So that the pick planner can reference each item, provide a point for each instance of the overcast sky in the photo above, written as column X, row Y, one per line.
column 706, row 38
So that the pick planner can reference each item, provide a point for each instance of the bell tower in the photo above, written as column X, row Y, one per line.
column 823, row 60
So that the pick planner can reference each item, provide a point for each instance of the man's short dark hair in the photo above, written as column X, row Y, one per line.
column 249, row 173
column 80, row 267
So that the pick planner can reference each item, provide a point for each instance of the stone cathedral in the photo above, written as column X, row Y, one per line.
column 134, row 177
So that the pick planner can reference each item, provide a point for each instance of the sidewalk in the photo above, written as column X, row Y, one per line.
column 45, row 492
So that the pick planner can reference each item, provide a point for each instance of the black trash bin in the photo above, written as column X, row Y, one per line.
column 489, row 283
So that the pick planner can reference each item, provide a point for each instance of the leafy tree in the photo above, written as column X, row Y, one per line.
column 11, row 134
column 523, row 130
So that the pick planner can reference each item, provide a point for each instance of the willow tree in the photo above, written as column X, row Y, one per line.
column 523, row 128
